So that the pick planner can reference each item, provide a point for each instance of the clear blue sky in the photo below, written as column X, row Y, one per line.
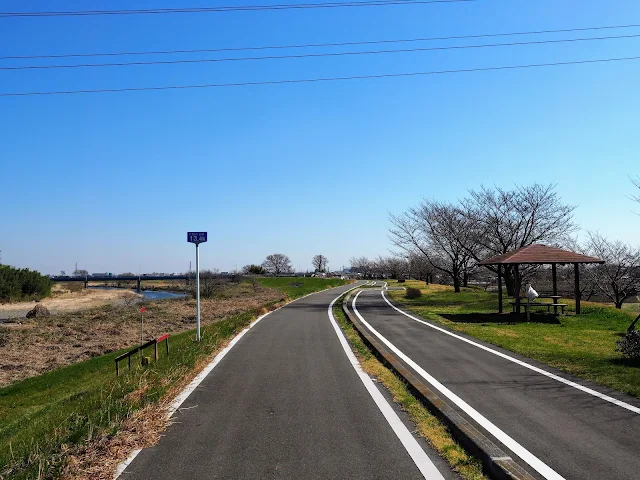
column 114, row 181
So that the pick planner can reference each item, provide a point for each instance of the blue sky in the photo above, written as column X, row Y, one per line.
column 114, row 181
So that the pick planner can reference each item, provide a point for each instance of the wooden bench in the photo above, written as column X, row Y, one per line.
column 539, row 304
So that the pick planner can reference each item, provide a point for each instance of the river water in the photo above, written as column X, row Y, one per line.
column 150, row 294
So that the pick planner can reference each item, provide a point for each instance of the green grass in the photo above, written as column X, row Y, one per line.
column 295, row 287
column 41, row 416
column 582, row 345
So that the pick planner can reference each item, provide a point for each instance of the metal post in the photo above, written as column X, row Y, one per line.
column 577, row 286
column 197, row 293
column 499, row 288
column 516, row 275
column 554, row 274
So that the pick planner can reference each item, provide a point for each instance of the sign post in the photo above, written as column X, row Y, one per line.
column 197, row 238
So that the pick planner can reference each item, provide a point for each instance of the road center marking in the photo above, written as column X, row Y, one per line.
column 420, row 458
column 537, row 464
column 588, row 390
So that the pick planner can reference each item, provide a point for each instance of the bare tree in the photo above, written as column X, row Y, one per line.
column 361, row 265
column 505, row 220
column 439, row 232
column 619, row 278
column 277, row 264
column 80, row 273
column 419, row 267
column 394, row 267
column 320, row 263
column 636, row 183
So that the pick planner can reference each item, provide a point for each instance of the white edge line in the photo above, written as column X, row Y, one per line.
column 419, row 457
column 537, row 464
column 588, row 390
column 184, row 394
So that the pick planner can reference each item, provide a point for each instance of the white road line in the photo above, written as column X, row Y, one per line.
column 420, row 458
column 588, row 390
column 537, row 464
column 182, row 396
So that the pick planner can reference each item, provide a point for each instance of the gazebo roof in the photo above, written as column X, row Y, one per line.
column 539, row 254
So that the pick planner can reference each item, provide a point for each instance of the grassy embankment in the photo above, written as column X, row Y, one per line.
column 427, row 426
column 298, row 287
column 582, row 345
column 48, row 418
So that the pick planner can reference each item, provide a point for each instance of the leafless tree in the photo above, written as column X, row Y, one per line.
column 505, row 220
column 320, row 263
column 419, row 267
column 277, row 264
column 361, row 265
column 619, row 278
column 394, row 267
column 80, row 273
column 439, row 232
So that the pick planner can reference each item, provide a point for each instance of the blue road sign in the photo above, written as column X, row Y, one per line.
column 196, row 237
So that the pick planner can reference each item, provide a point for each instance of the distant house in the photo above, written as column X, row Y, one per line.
column 101, row 274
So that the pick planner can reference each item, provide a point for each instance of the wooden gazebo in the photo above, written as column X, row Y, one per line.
column 541, row 255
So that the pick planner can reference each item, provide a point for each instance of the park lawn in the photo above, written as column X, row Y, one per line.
column 296, row 287
column 581, row 345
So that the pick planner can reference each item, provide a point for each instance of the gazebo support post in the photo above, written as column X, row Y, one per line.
column 576, row 267
column 516, row 293
column 554, row 274
column 499, row 288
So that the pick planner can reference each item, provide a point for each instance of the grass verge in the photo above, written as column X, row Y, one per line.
column 581, row 345
column 43, row 417
column 427, row 425
column 295, row 287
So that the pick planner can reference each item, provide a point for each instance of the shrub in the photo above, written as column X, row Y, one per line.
column 22, row 284
column 413, row 293
column 401, row 280
column 629, row 346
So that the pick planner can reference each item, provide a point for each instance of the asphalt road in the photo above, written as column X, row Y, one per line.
column 578, row 435
column 285, row 402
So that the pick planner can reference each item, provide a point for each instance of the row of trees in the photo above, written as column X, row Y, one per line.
column 280, row 264
column 451, row 238
column 22, row 284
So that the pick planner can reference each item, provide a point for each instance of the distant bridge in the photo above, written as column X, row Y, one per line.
column 117, row 278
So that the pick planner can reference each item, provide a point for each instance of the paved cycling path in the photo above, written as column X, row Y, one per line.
column 286, row 402
column 573, row 433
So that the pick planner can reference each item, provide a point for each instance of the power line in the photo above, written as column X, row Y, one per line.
column 312, row 45
column 322, row 79
column 315, row 55
column 241, row 8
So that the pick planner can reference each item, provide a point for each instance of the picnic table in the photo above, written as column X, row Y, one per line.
column 554, row 303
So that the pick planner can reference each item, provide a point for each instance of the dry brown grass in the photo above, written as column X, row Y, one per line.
column 63, row 300
column 39, row 345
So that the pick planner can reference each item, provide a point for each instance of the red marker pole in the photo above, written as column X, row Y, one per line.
column 142, row 310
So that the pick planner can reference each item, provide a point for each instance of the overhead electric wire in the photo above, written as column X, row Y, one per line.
column 315, row 55
column 313, row 45
column 321, row 79
column 230, row 8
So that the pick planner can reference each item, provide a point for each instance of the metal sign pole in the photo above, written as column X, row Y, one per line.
column 197, row 293
column 197, row 238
